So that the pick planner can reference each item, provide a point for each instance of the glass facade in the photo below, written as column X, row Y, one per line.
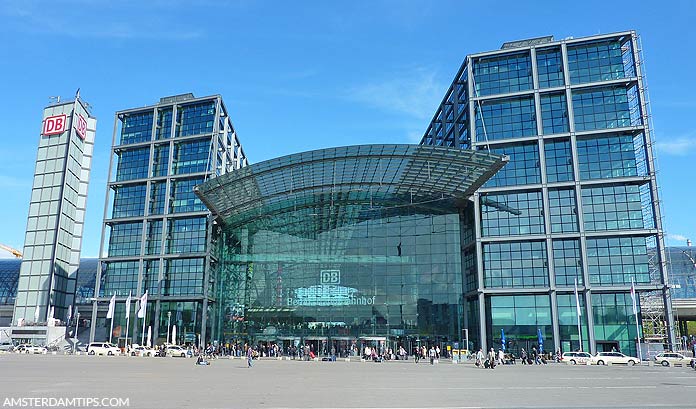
column 521, row 318
column 578, row 198
column 156, row 229
column 682, row 270
column 374, row 259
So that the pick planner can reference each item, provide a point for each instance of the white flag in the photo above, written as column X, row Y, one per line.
column 128, row 305
column 633, row 297
column 36, row 314
column 577, row 298
column 143, row 306
column 51, row 313
column 112, row 307
column 69, row 313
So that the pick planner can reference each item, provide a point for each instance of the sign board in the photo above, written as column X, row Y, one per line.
column 330, row 277
column 54, row 125
column 81, row 126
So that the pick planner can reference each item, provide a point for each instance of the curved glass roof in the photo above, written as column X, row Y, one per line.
column 366, row 176
column 9, row 277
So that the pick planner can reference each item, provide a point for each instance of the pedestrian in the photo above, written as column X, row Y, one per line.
column 491, row 359
column 501, row 357
column 250, row 356
column 479, row 358
column 523, row 356
column 431, row 355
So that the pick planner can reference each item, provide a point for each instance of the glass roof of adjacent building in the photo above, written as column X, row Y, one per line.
column 358, row 178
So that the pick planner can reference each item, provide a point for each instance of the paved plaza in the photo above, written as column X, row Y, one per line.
column 179, row 383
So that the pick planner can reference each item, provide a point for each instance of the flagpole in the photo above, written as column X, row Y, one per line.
column 144, row 316
column 127, row 322
column 143, row 337
column 577, row 304
column 77, row 321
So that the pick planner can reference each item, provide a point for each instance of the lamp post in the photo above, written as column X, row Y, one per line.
column 77, row 320
column 169, row 319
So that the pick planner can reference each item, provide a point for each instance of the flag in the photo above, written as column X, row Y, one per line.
column 128, row 305
column 540, row 338
column 577, row 299
column 36, row 314
column 50, row 313
column 143, row 306
column 502, row 338
column 69, row 313
column 633, row 297
column 112, row 307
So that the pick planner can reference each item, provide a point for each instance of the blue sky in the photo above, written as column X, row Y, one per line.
column 305, row 75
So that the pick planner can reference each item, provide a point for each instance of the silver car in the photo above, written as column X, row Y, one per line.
column 672, row 358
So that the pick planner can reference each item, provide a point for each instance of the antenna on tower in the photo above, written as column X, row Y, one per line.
column 77, row 94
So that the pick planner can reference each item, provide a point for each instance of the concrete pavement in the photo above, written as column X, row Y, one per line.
column 178, row 383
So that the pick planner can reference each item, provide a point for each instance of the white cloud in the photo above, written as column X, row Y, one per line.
column 414, row 93
column 679, row 146
column 677, row 237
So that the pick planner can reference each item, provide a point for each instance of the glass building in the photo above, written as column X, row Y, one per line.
column 51, row 256
column 156, row 232
column 9, row 280
column 346, row 247
column 577, row 202
column 682, row 271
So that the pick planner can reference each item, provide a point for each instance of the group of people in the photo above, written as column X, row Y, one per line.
column 492, row 359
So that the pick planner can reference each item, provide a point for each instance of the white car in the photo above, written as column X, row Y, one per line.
column 575, row 358
column 31, row 349
column 671, row 358
column 175, row 350
column 139, row 350
column 604, row 358
column 103, row 348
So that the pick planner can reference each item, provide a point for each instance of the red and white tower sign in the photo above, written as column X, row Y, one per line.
column 54, row 125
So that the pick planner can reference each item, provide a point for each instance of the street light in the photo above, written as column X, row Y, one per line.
column 77, row 320
column 169, row 319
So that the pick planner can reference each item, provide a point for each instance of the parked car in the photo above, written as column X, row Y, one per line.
column 7, row 346
column 175, row 350
column 139, row 350
column 30, row 349
column 671, row 358
column 575, row 358
column 102, row 348
column 604, row 358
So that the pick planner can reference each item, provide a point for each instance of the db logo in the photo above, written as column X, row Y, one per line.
column 54, row 125
column 330, row 276
column 81, row 126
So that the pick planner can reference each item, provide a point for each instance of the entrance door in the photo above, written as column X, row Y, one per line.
column 607, row 346
column 317, row 345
